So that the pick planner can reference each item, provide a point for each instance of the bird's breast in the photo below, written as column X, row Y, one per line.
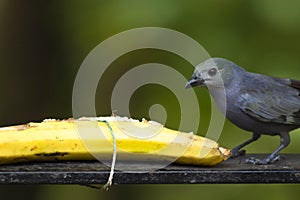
column 219, row 97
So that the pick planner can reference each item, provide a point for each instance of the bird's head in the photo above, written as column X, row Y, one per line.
column 215, row 72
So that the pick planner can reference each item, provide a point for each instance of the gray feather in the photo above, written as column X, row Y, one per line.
column 295, row 84
column 272, row 100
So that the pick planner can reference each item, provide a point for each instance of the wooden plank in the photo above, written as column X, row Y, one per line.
column 287, row 170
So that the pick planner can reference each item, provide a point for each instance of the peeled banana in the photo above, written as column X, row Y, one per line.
column 91, row 138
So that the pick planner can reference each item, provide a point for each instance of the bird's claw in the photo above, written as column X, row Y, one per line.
column 268, row 160
column 107, row 186
column 236, row 153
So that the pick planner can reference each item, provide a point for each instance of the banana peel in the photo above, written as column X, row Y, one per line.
column 90, row 139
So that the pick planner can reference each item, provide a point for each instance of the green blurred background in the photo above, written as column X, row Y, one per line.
column 43, row 43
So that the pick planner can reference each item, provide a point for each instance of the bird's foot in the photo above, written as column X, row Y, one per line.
column 236, row 153
column 265, row 161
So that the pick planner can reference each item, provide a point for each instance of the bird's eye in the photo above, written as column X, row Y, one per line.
column 212, row 72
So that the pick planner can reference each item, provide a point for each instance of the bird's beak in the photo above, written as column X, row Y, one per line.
column 194, row 81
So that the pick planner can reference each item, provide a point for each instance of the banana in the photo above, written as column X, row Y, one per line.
column 90, row 138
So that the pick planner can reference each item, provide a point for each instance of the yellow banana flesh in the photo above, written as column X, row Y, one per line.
column 86, row 139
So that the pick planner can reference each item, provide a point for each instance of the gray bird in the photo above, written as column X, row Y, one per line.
column 253, row 102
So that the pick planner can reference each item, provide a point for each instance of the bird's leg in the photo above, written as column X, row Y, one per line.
column 284, row 142
column 237, row 152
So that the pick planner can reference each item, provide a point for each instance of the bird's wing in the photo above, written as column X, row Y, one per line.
column 295, row 84
column 276, row 100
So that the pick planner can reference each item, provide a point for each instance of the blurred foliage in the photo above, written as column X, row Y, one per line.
column 43, row 44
